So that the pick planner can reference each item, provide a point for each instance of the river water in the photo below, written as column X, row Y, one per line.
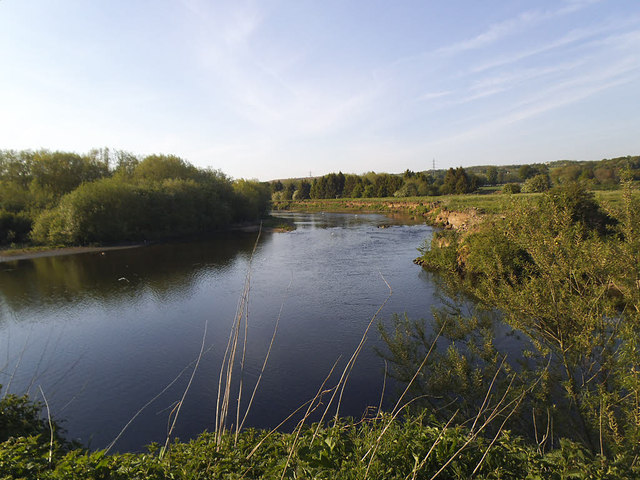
column 104, row 333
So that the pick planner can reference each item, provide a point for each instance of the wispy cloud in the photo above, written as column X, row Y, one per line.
column 433, row 95
column 499, row 31
column 556, row 96
column 574, row 37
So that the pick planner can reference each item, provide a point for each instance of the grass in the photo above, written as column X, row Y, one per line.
column 488, row 201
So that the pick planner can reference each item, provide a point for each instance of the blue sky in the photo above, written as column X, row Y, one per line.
column 274, row 89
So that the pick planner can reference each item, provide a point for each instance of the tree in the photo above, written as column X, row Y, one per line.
column 492, row 175
column 537, row 184
column 511, row 188
column 525, row 172
column 457, row 181
column 304, row 190
column 156, row 168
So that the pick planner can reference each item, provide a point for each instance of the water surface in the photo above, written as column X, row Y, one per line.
column 103, row 333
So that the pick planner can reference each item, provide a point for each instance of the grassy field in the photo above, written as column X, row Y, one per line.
column 483, row 203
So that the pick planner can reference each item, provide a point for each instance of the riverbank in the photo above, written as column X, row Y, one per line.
column 460, row 212
column 268, row 225
column 40, row 252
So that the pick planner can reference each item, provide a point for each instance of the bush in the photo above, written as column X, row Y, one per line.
column 564, row 275
column 537, row 184
column 112, row 210
column 511, row 188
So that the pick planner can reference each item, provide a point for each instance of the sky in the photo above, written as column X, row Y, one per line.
column 291, row 88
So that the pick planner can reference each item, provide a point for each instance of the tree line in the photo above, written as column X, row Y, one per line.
column 114, row 196
column 528, row 178
column 377, row 185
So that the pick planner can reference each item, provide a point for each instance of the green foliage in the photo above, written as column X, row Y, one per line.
column 564, row 274
column 379, row 448
column 458, row 181
column 511, row 188
column 14, row 227
column 252, row 200
column 492, row 175
column 54, row 198
column 157, row 168
column 537, row 184
column 20, row 417
column 582, row 207
column 113, row 211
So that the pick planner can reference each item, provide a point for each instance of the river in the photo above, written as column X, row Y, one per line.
column 104, row 333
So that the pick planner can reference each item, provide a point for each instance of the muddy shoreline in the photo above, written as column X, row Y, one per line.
column 26, row 254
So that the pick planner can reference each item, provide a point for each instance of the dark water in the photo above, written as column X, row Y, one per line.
column 102, row 334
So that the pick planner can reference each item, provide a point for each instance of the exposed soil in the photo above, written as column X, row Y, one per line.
column 10, row 255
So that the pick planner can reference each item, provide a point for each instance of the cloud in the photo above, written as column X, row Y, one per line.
column 575, row 37
column 433, row 95
column 554, row 97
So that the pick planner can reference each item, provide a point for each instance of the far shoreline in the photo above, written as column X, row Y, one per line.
column 29, row 253
column 25, row 254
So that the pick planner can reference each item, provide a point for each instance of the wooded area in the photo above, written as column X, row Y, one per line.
column 105, row 196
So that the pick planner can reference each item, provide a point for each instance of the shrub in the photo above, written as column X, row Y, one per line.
column 511, row 188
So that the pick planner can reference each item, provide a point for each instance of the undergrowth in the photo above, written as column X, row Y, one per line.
column 379, row 448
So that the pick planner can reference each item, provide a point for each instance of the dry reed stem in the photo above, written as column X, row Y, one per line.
column 438, row 439
column 384, row 385
column 486, row 397
column 50, row 424
column 495, row 437
column 495, row 412
column 266, row 358
column 186, row 390
column 321, row 391
column 272, row 431
column 230, row 362
column 347, row 369
column 395, row 410
column 15, row 369
column 372, row 450
column 228, row 359
column 356, row 353
column 244, row 352
column 422, row 364
column 169, row 385
column 540, row 442
column 474, row 435
column 43, row 351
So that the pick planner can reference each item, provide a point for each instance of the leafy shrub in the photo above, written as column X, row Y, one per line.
column 537, row 184
column 511, row 188
column 563, row 273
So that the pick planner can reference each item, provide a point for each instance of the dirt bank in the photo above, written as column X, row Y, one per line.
column 10, row 255
column 434, row 213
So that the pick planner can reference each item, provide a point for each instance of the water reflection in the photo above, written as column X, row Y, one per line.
column 103, row 334
column 114, row 275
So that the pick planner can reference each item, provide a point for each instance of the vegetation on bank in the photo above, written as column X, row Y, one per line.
column 383, row 447
column 560, row 277
column 60, row 198
column 604, row 174
column 562, row 268
column 110, row 196
column 416, row 206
